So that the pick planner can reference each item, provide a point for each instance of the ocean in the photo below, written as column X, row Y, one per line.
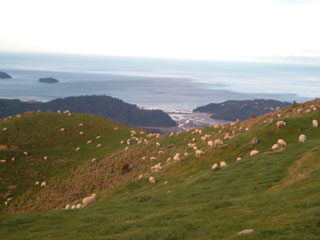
column 170, row 85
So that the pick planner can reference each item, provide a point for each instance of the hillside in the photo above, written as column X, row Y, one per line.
column 4, row 75
column 104, row 106
column 233, row 110
column 275, row 193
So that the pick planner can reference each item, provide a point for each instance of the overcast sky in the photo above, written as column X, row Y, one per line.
column 192, row 29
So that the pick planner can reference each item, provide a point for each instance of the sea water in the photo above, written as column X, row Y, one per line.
column 171, row 85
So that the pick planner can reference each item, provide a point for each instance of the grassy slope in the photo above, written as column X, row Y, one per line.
column 276, row 194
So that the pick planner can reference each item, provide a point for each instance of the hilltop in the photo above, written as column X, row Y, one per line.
column 105, row 106
column 275, row 192
column 233, row 109
column 4, row 75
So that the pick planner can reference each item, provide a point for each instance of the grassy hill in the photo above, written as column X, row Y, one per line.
column 276, row 193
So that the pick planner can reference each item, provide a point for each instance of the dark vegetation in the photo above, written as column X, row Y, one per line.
column 104, row 106
column 48, row 80
column 242, row 110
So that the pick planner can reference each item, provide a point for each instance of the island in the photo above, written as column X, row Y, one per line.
column 48, row 80
column 4, row 75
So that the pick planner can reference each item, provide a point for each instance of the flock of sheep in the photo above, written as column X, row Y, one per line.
column 177, row 156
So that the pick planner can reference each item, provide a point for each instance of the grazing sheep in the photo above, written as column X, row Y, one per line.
column 186, row 154
column 223, row 164
column 25, row 153
column 176, row 157
column 254, row 152
column 62, row 129
column 275, row 147
column 89, row 141
column 199, row 153
column 142, row 132
column 281, row 124
column 4, row 129
column 3, row 161
column 77, row 149
column 43, row 184
column 169, row 159
column 89, row 200
column 93, row 160
column 214, row 166
column 308, row 110
column 152, row 180
column 217, row 142
column 68, row 206
column 193, row 139
column 247, row 129
column 281, row 143
column 116, row 128
column 13, row 159
column 195, row 148
column 81, row 133
column 153, row 158
column 171, row 134
column 156, row 167
column 314, row 108
column 126, row 149
column 161, row 153
column 81, row 124
column 73, row 206
column 302, row 138
column 98, row 137
column 314, row 123
column 37, row 183
column 45, row 158
column 143, row 158
column 140, row 176
column 158, row 144
column 210, row 144
column 79, row 206
column 246, row 231
column 239, row 158
column 57, row 111
column 98, row 145
column 121, row 142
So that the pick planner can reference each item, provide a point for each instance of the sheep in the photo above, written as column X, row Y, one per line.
column 152, row 180
column 80, row 124
column 193, row 139
column 126, row 149
column 89, row 141
column 57, row 111
column 98, row 145
column 98, row 137
column 142, row 132
column 247, row 129
column 43, row 184
column 81, row 133
column 73, row 206
column 210, row 144
column 239, row 158
column 217, row 142
column 62, row 129
column 314, row 108
column 3, row 161
column 161, row 153
column 45, row 158
column 37, row 183
column 254, row 152
column 156, row 167
column 121, row 142
column 281, row 143
column 214, row 166
column 153, row 158
column 93, row 160
column 223, row 164
column 89, row 200
column 281, row 124
column 140, row 176
column 302, row 138
column 275, row 147
column 68, row 206
column 69, row 114
column 246, row 231
column 77, row 149
column 116, row 128
column 176, row 157
column 4, row 129
column 186, row 154
column 79, row 206
column 171, row 134
column 195, row 148
column 199, row 153
column 25, row 153
column 158, row 144
column 308, row 110
column 13, row 159
column 314, row 123
column 169, row 160
column 143, row 158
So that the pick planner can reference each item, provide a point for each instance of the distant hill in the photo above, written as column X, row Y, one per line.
column 4, row 75
column 48, row 80
column 233, row 110
column 112, row 108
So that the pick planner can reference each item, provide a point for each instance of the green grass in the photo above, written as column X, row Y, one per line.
column 276, row 194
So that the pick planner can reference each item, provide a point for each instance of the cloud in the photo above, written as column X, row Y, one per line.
column 297, row 1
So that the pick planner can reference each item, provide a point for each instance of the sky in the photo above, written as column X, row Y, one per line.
column 185, row 29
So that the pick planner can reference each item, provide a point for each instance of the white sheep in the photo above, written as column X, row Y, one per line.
column 199, row 153
column 153, row 158
column 25, row 153
column 3, row 161
column 152, row 180
column 308, row 110
column 73, row 206
column 89, row 200
column 210, row 144
column 13, row 159
column 186, row 154
column 169, row 159
column 239, row 158
column 214, row 166
column 275, row 147
column 126, row 148
column 314, row 123
column 4, row 129
column 79, row 206
column 302, row 138
column 176, row 157
column 98, row 137
column 281, row 124
column 143, row 158
column 158, row 144
column 156, row 167
column 93, row 160
column 43, row 184
column 80, row 124
column 281, row 142
column 89, row 141
column 121, row 142
column 68, row 206
column 161, row 153
column 77, row 149
column 116, row 128
column 171, row 134
column 140, row 176
column 98, row 145
column 217, row 142
column 254, row 152
column 62, row 129
column 81, row 133
column 45, row 158
column 37, row 183
column 223, row 164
